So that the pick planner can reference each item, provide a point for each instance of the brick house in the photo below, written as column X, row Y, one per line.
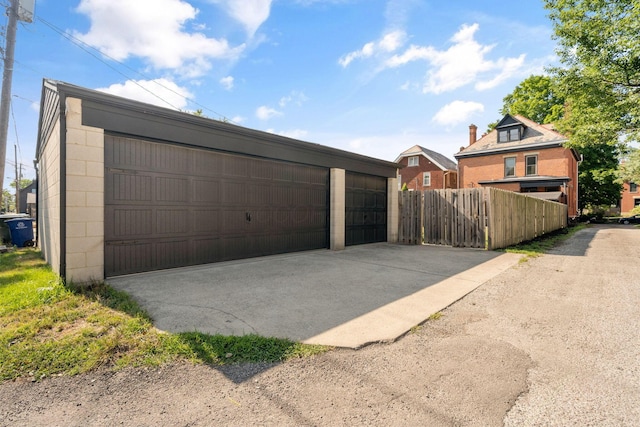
column 629, row 198
column 523, row 156
column 424, row 169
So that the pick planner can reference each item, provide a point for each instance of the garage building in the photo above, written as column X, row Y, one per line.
column 127, row 187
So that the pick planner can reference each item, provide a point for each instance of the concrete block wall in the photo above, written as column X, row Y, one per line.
column 337, row 205
column 49, row 200
column 393, row 210
column 85, row 197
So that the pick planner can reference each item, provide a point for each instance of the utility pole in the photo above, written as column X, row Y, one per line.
column 7, row 75
column 15, row 150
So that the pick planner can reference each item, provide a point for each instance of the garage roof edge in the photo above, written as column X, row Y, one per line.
column 191, row 120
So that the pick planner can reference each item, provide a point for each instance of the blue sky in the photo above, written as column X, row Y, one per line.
column 370, row 76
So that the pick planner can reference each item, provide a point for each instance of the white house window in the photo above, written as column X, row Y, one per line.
column 426, row 179
column 414, row 161
column 531, row 165
column 509, row 166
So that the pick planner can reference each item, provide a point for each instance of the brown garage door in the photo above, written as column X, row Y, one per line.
column 169, row 206
column 366, row 209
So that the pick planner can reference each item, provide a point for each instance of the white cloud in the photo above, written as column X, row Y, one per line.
column 152, row 30
column 250, row 13
column 388, row 43
column 413, row 53
column 265, row 113
column 509, row 66
column 298, row 98
column 392, row 41
column 457, row 112
column 227, row 82
column 462, row 63
column 161, row 92
column 238, row 119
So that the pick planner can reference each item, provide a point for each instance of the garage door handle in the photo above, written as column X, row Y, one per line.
column 248, row 217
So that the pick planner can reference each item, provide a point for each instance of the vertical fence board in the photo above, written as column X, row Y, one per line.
column 476, row 217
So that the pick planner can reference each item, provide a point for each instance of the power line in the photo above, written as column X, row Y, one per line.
column 15, row 127
column 88, row 49
column 85, row 47
column 25, row 99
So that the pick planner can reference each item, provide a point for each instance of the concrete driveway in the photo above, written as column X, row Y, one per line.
column 349, row 298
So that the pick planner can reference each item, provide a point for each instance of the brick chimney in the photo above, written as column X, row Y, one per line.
column 473, row 133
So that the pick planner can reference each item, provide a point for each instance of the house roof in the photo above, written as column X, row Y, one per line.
column 535, row 136
column 438, row 159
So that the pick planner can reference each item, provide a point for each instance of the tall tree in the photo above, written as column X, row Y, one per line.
column 600, row 76
column 24, row 182
column 536, row 98
column 630, row 168
column 598, row 43
column 545, row 99
column 8, row 202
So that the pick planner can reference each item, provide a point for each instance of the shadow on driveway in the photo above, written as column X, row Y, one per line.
column 347, row 298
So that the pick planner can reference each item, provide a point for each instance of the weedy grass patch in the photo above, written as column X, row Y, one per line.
column 536, row 247
column 51, row 328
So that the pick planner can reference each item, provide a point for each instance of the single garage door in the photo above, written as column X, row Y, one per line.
column 171, row 206
column 366, row 209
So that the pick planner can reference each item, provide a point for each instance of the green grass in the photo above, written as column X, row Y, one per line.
column 542, row 244
column 435, row 316
column 51, row 328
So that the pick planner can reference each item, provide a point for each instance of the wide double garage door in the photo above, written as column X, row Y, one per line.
column 171, row 206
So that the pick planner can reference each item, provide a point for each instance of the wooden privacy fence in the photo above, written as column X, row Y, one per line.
column 487, row 218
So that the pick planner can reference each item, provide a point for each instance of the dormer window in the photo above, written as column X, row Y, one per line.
column 510, row 134
column 414, row 161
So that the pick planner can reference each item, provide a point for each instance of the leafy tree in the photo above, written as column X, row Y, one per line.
column 600, row 78
column 491, row 126
column 598, row 42
column 546, row 99
column 536, row 98
column 590, row 122
column 8, row 201
column 630, row 168
column 598, row 183
column 24, row 182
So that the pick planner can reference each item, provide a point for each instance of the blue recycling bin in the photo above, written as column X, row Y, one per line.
column 21, row 230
